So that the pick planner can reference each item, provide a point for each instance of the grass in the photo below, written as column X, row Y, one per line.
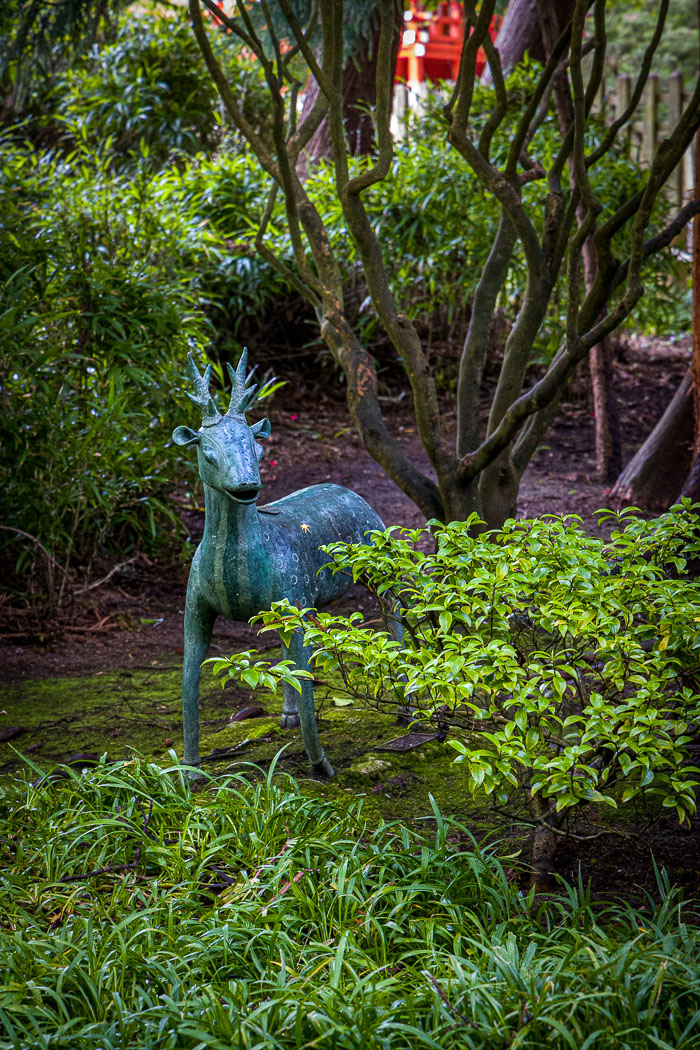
column 118, row 712
column 134, row 913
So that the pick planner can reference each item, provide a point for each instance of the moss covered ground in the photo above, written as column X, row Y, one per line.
column 122, row 711
column 78, row 719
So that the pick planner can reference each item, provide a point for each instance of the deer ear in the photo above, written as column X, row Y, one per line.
column 186, row 436
column 261, row 429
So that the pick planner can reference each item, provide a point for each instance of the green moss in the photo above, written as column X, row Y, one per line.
column 120, row 711
column 108, row 712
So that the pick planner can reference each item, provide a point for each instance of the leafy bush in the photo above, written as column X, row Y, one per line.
column 106, row 280
column 567, row 664
column 37, row 41
column 133, row 914
column 147, row 92
column 94, row 326
column 110, row 270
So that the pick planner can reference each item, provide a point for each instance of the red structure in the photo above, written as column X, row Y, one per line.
column 432, row 43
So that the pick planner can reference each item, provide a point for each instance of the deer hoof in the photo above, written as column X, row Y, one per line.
column 324, row 768
column 195, row 777
column 289, row 721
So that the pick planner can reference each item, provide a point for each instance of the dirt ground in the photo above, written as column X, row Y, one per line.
column 136, row 616
column 132, row 624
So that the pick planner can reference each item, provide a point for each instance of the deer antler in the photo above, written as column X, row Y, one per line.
column 202, row 397
column 242, row 395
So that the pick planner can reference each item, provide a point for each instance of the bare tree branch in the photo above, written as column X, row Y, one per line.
column 385, row 88
column 645, row 69
column 232, row 108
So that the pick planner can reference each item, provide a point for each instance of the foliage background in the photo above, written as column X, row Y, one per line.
column 126, row 238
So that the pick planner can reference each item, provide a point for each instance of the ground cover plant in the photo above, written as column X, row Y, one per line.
column 134, row 913
column 567, row 664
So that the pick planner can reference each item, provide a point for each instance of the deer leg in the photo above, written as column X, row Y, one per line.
column 290, row 700
column 199, row 622
column 300, row 654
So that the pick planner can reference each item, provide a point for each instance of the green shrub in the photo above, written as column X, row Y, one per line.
column 95, row 321
column 148, row 88
column 110, row 270
column 106, row 280
column 134, row 914
column 38, row 41
column 567, row 664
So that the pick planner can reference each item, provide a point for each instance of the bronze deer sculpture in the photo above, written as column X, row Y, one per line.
column 252, row 556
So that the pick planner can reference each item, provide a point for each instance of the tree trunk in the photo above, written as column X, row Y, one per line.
column 691, row 488
column 608, row 438
column 654, row 476
column 498, row 490
column 359, row 97
column 545, row 842
column 544, row 848
column 520, row 32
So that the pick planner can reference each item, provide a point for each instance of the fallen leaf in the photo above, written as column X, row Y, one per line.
column 11, row 732
column 253, row 711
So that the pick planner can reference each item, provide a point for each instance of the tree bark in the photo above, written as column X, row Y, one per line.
column 691, row 488
column 520, row 33
column 608, row 436
column 544, row 846
column 654, row 476
column 359, row 95
column 359, row 91
column 608, row 439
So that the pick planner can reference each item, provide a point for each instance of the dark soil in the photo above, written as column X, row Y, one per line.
column 133, row 622
column 136, row 616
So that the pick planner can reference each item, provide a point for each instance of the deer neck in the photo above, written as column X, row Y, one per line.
column 226, row 520
column 232, row 533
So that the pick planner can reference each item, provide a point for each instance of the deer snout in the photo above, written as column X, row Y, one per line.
column 243, row 493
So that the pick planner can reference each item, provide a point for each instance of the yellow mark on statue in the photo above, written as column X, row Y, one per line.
column 305, row 527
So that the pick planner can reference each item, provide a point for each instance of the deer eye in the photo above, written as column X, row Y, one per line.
column 210, row 456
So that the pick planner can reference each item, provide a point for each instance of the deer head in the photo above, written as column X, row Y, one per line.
column 227, row 450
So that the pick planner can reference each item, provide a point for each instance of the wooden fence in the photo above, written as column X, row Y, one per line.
column 659, row 112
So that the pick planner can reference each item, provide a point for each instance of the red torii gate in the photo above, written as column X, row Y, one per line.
column 432, row 43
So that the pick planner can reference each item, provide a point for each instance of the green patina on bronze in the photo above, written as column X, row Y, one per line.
column 252, row 556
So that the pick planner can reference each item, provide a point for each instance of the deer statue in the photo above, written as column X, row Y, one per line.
column 252, row 556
